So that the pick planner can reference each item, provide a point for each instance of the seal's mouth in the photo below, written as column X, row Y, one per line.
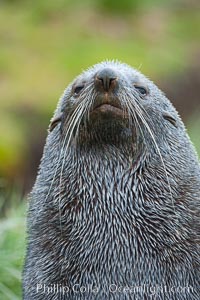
column 108, row 108
column 111, row 108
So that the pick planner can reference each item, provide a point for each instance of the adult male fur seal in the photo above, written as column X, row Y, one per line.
column 115, row 210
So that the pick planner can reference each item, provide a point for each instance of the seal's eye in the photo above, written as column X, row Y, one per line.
column 142, row 90
column 78, row 89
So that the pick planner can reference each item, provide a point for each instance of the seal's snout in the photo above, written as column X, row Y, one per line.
column 107, row 102
column 106, row 80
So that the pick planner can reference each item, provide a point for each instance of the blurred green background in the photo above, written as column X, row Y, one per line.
column 43, row 45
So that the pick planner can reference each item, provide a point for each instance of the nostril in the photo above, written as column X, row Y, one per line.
column 106, row 79
column 106, row 82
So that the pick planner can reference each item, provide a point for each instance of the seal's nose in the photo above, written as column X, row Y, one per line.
column 106, row 80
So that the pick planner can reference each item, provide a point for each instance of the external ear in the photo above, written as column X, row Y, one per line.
column 169, row 118
column 54, row 122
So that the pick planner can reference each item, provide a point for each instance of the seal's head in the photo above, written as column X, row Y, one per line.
column 112, row 102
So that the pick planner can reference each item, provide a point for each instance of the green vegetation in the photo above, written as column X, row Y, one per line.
column 193, row 131
column 12, row 249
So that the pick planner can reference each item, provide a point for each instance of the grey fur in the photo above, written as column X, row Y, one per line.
column 116, row 203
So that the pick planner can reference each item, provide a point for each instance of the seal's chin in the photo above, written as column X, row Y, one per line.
column 108, row 123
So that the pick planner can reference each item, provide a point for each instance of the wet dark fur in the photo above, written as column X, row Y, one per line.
column 117, row 200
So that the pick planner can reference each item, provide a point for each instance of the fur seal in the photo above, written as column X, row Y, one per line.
column 115, row 210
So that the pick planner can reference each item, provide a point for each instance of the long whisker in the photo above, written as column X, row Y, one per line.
column 74, row 122
column 141, row 108
column 57, row 164
column 133, row 117
column 140, row 114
